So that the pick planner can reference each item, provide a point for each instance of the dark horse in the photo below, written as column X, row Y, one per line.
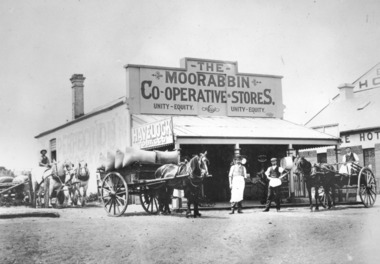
column 326, row 173
column 263, row 182
column 196, row 168
column 317, row 176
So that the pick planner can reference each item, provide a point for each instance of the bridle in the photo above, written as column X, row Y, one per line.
column 197, row 181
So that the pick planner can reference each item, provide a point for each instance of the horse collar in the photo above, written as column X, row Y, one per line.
column 194, row 185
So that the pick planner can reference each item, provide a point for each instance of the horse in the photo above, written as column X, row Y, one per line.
column 316, row 176
column 196, row 168
column 50, row 180
column 79, row 183
column 326, row 174
column 263, row 183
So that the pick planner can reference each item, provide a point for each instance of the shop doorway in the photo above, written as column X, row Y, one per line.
column 216, row 188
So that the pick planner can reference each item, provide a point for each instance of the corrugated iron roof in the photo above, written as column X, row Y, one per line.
column 235, row 127
column 357, row 113
column 101, row 109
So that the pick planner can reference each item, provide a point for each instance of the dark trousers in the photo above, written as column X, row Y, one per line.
column 273, row 194
column 236, row 204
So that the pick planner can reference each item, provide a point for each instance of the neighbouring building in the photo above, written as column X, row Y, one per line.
column 352, row 115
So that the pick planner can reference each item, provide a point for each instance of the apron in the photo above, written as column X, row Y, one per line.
column 237, row 191
column 346, row 169
column 238, row 185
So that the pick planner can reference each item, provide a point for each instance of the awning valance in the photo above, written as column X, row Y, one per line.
column 242, row 130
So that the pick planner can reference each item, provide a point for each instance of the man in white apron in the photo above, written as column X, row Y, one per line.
column 273, row 192
column 347, row 160
column 237, row 176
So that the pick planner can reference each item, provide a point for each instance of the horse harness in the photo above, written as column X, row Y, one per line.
column 80, row 177
column 193, row 180
column 55, row 177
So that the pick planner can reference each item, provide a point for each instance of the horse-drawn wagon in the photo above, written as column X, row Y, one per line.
column 357, row 183
column 16, row 188
column 151, row 176
column 357, row 186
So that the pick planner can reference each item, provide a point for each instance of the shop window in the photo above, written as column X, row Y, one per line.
column 322, row 157
column 53, row 149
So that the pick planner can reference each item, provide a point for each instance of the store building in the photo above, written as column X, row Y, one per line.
column 353, row 116
column 203, row 105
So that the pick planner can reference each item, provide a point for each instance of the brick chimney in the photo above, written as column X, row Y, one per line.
column 346, row 91
column 78, row 96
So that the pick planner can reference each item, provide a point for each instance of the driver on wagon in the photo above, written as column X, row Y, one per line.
column 347, row 160
column 44, row 160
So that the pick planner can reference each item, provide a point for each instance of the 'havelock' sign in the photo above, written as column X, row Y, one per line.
column 153, row 134
column 203, row 87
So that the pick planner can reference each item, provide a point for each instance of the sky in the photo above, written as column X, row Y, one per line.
column 314, row 45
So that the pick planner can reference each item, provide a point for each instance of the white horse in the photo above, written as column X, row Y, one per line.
column 80, row 183
column 49, row 180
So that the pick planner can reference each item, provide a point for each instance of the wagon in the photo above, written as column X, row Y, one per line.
column 16, row 188
column 117, row 187
column 359, row 187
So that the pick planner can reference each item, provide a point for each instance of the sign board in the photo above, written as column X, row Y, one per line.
column 369, row 80
column 204, row 87
column 366, row 139
column 153, row 134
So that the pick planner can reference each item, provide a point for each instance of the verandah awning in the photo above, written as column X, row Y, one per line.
column 242, row 130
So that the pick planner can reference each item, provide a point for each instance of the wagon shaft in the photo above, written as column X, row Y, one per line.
column 160, row 180
column 12, row 187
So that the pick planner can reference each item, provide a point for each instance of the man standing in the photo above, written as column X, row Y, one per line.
column 273, row 172
column 347, row 160
column 237, row 176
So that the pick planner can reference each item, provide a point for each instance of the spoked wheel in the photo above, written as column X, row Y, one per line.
column 367, row 187
column 149, row 200
column 114, row 193
column 324, row 197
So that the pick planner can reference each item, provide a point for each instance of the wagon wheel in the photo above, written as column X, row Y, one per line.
column 149, row 200
column 324, row 197
column 367, row 187
column 114, row 193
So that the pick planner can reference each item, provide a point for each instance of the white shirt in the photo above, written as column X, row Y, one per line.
column 267, row 173
column 237, row 167
column 349, row 154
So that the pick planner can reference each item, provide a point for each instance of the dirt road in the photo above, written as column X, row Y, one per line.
column 294, row 235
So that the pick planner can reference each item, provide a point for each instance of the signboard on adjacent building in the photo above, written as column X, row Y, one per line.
column 152, row 135
column 369, row 80
column 366, row 139
column 204, row 87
